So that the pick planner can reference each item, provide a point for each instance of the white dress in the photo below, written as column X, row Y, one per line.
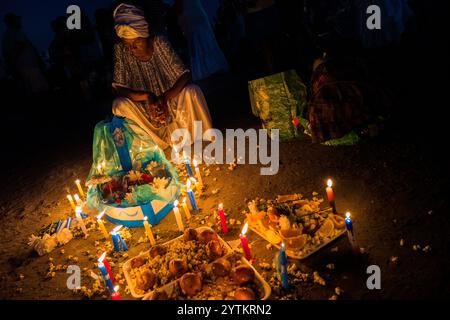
column 206, row 56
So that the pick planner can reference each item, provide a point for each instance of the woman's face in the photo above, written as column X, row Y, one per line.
column 139, row 47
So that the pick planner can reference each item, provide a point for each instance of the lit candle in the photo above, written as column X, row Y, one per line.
column 176, row 212
column 196, row 185
column 282, row 266
column 350, row 234
column 148, row 232
column 185, row 208
column 197, row 173
column 99, row 169
column 80, row 189
column 188, row 166
column 191, row 196
column 105, row 273
column 77, row 199
column 223, row 220
column 72, row 204
column 116, row 294
column 102, row 257
column 80, row 220
column 330, row 195
column 118, row 242
column 244, row 242
column 101, row 225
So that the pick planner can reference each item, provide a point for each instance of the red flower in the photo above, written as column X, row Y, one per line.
column 146, row 178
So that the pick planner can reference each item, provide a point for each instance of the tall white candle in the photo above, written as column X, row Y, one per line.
column 176, row 212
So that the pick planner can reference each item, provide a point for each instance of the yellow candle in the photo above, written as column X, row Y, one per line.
column 78, row 200
column 176, row 212
column 80, row 189
column 197, row 173
column 101, row 225
column 148, row 231
column 72, row 204
column 185, row 208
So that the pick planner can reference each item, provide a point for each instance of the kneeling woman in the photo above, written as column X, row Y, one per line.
column 151, row 81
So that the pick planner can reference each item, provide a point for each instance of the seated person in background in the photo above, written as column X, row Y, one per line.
column 151, row 81
column 342, row 100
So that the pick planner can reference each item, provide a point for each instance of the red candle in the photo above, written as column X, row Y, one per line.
column 244, row 242
column 107, row 267
column 116, row 294
column 223, row 221
column 330, row 195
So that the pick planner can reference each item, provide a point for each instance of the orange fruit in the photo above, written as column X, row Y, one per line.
column 339, row 222
column 326, row 230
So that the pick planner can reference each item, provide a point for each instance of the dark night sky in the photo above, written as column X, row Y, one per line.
column 36, row 15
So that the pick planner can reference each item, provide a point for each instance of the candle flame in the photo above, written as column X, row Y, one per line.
column 347, row 215
column 102, row 257
column 184, row 200
column 116, row 229
column 184, row 154
column 329, row 183
column 77, row 197
column 194, row 181
column 145, row 218
column 77, row 181
column 78, row 210
column 175, row 203
column 244, row 229
column 195, row 163
column 188, row 184
column 282, row 245
column 103, row 164
column 116, row 288
column 220, row 206
column 69, row 197
column 99, row 217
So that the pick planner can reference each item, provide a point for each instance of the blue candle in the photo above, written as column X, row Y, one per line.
column 191, row 196
column 348, row 222
column 118, row 242
column 69, row 221
column 105, row 274
column 188, row 166
column 282, row 267
column 115, row 240
column 351, row 237
column 122, row 243
column 58, row 225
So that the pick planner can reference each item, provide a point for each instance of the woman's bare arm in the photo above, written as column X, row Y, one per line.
column 134, row 95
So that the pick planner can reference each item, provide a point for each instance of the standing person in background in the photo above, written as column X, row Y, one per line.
column 263, row 28
column 21, row 58
column 205, row 54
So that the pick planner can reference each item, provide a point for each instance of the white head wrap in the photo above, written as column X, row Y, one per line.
column 129, row 22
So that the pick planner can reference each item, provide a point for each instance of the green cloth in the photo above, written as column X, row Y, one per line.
column 277, row 99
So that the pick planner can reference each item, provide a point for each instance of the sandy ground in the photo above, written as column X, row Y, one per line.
column 395, row 188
